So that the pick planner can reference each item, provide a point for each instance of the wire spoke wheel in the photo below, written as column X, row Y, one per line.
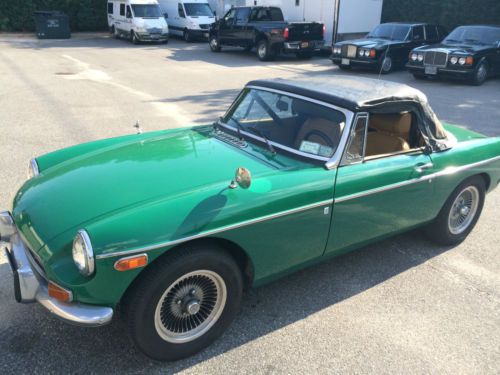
column 190, row 306
column 463, row 210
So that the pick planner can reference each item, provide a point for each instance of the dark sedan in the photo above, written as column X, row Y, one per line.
column 470, row 53
column 386, row 47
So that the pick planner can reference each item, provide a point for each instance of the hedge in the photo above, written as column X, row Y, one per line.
column 84, row 15
column 449, row 13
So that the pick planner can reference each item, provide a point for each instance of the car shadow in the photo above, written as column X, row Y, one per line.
column 28, row 330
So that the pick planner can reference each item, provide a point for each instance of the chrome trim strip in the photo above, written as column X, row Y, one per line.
column 445, row 172
column 334, row 161
column 215, row 231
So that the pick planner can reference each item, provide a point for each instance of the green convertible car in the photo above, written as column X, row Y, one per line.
column 159, row 225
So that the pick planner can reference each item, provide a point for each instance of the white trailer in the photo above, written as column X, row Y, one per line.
column 343, row 19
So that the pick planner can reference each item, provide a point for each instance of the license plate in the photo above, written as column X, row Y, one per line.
column 431, row 70
column 346, row 62
column 155, row 36
column 304, row 44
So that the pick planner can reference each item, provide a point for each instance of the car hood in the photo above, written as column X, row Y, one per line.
column 368, row 43
column 455, row 48
column 109, row 179
column 151, row 23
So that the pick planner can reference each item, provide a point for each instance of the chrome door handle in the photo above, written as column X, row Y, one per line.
column 423, row 167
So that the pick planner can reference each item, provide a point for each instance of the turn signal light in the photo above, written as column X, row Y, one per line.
column 286, row 33
column 469, row 60
column 129, row 263
column 373, row 53
column 59, row 293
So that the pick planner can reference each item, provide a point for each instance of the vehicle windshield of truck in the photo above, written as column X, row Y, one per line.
column 390, row 31
column 474, row 35
column 198, row 10
column 267, row 14
column 286, row 122
column 146, row 11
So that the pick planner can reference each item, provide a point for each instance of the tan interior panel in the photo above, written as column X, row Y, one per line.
column 391, row 135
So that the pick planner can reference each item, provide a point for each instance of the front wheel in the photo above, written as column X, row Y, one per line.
column 187, row 36
column 214, row 44
column 133, row 37
column 480, row 74
column 459, row 214
column 184, row 302
column 386, row 65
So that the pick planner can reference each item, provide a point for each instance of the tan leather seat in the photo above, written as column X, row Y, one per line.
column 391, row 135
column 329, row 128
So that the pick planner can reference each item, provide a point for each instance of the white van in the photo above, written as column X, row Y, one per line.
column 190, row 19
column 137, row 20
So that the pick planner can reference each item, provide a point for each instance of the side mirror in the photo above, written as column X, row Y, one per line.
column 129, row 15
column 242, row 178
column 215, row 13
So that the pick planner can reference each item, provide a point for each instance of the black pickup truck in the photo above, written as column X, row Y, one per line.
column 265, row 29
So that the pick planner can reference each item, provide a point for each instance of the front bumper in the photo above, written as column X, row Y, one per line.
column 148, row 37
column 355, row 62
column 30, row 284
column 465, row 73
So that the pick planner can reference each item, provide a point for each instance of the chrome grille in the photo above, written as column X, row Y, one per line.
column 351, row 51
column 154, row 30
column 435, row 58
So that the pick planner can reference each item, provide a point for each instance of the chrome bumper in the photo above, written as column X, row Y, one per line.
column 30, row 286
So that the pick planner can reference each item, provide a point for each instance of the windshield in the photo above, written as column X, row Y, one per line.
column 198, row 10
column 146, row 11
column 474, row 35
column 284, row 121
column 390, row 31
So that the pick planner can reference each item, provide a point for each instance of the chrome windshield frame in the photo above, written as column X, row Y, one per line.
column 330, row 163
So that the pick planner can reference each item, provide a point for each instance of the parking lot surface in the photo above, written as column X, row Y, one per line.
column 400, row 306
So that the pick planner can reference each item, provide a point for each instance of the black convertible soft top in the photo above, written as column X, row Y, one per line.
column 365, row 94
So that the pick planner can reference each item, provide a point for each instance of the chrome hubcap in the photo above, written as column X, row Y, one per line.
column 387, row 64
column 463, row 210
column 213, row 42
column 262, row 50
column 190, row 306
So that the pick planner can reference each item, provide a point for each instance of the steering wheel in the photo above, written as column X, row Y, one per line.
column 320, row 134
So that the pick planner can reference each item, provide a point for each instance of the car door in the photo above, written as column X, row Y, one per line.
column 226, row 27
column 241, row 29
column 179, row 20
column 128, row 20
column 378, row 196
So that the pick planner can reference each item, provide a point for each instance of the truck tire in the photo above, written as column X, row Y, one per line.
column 264, row 51
column 184, row 302
column 214, row 44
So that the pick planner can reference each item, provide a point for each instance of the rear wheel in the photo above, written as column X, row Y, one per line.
column 460, row 213
column 184, row 302
column 214, row 44
column 264, row 51
column 480, row 74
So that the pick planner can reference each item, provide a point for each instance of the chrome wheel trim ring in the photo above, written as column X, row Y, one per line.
column 213, row 42
column 481, row 73
column 463, row 210
column 262, row 50
column 198, row 324
column 387, row 64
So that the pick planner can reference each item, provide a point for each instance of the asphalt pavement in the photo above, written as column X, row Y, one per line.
column 403, row 305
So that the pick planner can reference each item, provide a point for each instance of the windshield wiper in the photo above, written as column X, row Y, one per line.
column 452, row 40
column 258, row 132
column 473, row 41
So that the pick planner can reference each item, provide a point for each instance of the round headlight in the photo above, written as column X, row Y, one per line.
column 83, row 254
column 461, row 60
column 454, row 60
column 361, row 52
column 339, row 50
column 420, row 57
column 33, row 170
column 413, row 57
